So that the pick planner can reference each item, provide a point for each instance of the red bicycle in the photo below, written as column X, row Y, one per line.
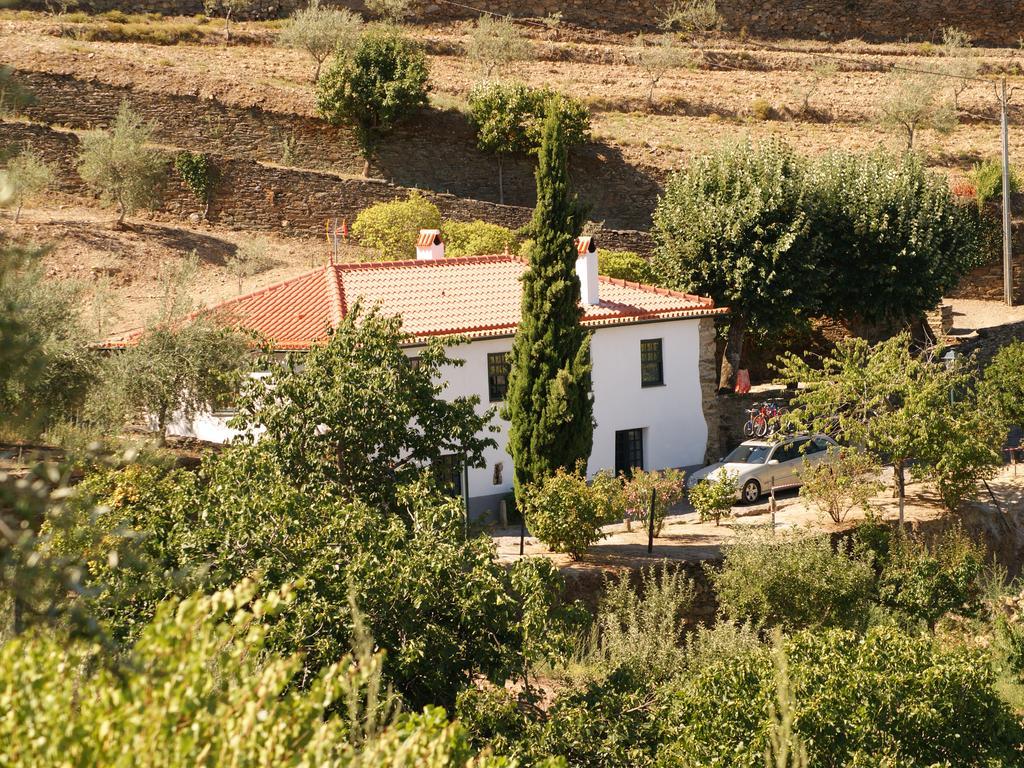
column 763, row 419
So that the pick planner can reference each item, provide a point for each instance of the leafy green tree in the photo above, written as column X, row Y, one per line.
column 321, row 31
column 549, row 402
column 360, row 414
column 509, row 118
column 391, row 227
column 26, row 176
column 792, row 580
column 625, row 265
column 172, row 369
column 390, row 11
column 566, row 512
column 120, row 165
column 477, row 238
column 892, row 239
column 735, row 226
column 928, row 579
column 51, row 367
column 495, row 42
column 900, row 408
column 1002, row 384
column 382, row 83
column 439, row 604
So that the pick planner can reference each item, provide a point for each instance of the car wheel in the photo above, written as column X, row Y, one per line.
column 751, row 491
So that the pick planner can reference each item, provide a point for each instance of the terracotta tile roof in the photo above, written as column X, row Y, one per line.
column 474, row 296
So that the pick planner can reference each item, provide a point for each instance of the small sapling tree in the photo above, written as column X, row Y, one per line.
column 960, row 61
column 321, row 32
column 495, row 43
column 846, row 480
column 668, row 487
column 228, row 9
column 566, row 512
column 374, row 89
column 917, row 103
column 26, row 177
column 713, row 498
column 119, row 164
column 657, row 57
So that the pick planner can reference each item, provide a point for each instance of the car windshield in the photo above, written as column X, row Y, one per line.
column 749, row 454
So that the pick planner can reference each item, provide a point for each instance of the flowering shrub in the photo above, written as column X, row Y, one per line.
column 668, row 488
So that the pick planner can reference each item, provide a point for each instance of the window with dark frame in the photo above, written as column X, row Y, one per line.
column 497, row 375
column 629, row 451
column 652, row 370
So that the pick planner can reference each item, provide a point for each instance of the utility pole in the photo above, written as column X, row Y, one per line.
column 1004, row 101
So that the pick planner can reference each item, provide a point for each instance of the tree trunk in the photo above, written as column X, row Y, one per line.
column 316, row 74
column 17, row 213
column 921, row 334
column 901, row 488
column 366, row 167
column 733, row 354
column 161, row 428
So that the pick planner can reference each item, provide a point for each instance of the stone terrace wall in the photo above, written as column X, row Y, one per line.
column 437, row 151
column 251, row 195
column 986, row 282
column 988, row 21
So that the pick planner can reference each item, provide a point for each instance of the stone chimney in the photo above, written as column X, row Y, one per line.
column 586, row 270
column 429, row 245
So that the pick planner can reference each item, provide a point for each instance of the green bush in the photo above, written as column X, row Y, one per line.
column 713, row 498
column 199, row 688
column 440, row 605
column 566, row 512
column 928, row 579
column 477, row 238
column 792, row 580
column 625, row 265
column 987, row 178
column 391, row 228
column 642, row 628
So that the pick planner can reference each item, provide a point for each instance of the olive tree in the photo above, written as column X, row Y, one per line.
column 374, row 89
column 658, row 57
column 227, row 9
column 250, row 258
column 736, row 226
column 120, row 165
column 26, row 176
column 321, row 31
column 495, row 43
column 916, row 103
column 960, row 61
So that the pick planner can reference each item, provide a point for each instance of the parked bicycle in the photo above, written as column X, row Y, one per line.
column 764, row 418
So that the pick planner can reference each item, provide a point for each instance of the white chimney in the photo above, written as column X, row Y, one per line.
column 586, row 270
column 429, row 245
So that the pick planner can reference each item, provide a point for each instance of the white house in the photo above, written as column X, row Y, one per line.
column 653, row 350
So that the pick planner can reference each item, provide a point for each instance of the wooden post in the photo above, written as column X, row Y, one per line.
column 650, row 522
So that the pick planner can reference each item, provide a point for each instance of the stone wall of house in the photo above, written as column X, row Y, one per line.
column 437, row 151
column 253, row 195
column 988, row 21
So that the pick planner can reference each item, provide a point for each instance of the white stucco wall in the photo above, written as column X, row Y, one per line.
column 675, row 433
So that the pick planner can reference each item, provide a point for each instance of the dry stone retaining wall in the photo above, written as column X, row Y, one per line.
column 252, row 195
column 988, row 21
column 436, row 151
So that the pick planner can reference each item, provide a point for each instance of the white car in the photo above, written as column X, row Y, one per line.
column 760, row 465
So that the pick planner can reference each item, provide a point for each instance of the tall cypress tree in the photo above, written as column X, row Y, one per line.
column 549, row 401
